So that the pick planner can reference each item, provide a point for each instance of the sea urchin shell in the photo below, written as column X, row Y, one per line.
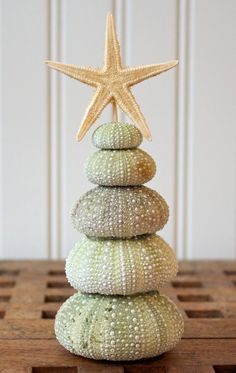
column 120, row 167
column 118, row 327
column 121, row 212
column 117, row 136
column 119, row 266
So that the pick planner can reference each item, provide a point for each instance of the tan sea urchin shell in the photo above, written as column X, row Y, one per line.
column 117, row 136
column 121, row 212
column 120, row 167
column 119, row 266
column 118, row 327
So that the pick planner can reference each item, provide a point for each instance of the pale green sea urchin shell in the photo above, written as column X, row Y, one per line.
column 121, row 212
column 119, row 266
column 120, row 167
column 117, row 136
column 118, row 327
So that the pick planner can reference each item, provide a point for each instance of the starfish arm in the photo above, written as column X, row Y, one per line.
column 86, row 75
column 138, row 74
column 112, row 57
column 128, row 104
column 100, row 99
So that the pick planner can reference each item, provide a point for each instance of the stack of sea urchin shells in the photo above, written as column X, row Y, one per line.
column 119, row 266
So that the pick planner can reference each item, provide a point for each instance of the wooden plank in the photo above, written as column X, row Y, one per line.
column 209, row 328
column 219, row 294
column 54, row 369
column 170, row 369
column 20, row 369
column 190, row 369
column 104, row 369
column 44, row 328
column 133, row 369
column 27, row 329
column 27, row 325
column 230, row 307
column 186, row 353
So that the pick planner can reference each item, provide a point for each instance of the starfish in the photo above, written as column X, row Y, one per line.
column 113, row 83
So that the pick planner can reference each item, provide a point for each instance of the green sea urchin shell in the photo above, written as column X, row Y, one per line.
column 117, row 136
column 120, row 167
column 117, row 327
column 121, row 212
column 120, row 266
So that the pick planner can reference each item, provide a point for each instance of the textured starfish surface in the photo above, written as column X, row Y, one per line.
column 112, row 83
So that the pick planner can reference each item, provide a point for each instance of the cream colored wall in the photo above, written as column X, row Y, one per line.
column 191, row 112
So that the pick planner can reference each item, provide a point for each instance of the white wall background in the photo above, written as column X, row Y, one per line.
column 191, row 112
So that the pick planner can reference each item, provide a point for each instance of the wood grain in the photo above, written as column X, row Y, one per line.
column 32, row 291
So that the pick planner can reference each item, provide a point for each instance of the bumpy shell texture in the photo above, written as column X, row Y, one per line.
column 118, row 328
column 117, row 136
column 119, row 266
column 120, row 167
column 121, row 212
column 121, row 263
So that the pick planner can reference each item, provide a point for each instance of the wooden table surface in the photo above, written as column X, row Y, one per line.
column 32, row 291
